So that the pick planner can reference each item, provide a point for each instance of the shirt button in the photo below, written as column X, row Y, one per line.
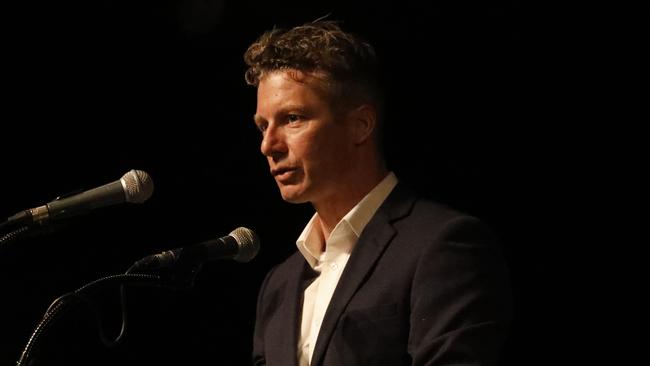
column 334, row 266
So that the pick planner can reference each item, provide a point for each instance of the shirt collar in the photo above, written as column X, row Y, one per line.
column 348, row 230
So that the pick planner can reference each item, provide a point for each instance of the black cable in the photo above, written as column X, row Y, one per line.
column 98, row 318
column 120, row 336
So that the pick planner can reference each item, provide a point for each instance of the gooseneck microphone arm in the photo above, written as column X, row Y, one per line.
column 64, row 303
column 241, row 244
column 11, row 236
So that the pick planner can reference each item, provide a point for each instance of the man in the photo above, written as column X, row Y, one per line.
column 381, row 276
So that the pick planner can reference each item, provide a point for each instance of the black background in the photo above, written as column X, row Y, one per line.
column 94, row 89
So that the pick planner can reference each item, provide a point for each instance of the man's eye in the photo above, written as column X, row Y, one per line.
column 293, row 118
column 262, row 128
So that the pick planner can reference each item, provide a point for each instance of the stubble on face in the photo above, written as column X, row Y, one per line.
column 313, row 148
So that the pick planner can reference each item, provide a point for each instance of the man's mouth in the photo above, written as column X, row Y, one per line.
column 282, row 174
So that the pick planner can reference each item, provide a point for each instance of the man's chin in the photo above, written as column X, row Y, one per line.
column 292, row 196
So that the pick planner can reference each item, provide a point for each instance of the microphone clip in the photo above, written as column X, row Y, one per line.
column 179, row 275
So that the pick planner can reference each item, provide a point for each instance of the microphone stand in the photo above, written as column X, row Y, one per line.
column 10, row 231
column 11, row 236
column 183, row 278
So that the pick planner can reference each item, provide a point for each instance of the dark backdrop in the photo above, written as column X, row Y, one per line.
column 94, row 89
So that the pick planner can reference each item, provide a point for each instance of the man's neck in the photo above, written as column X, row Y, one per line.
column 333, row 209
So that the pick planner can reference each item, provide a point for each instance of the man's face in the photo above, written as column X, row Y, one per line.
column 306, row 145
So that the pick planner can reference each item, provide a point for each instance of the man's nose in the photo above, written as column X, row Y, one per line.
column 273, row 143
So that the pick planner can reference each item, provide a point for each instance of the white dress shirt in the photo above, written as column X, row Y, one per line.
column 331, row 262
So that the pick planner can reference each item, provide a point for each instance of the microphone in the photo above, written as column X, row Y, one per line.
column 241, row 244
column 135, row 186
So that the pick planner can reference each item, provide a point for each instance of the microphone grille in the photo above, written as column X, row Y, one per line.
column 249, row 244
column 138, row 186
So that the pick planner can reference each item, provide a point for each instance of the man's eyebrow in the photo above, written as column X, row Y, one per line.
column 293, row 107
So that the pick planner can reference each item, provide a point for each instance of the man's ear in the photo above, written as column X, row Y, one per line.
column 363, row 121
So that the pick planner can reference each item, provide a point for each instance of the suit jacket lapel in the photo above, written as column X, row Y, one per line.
column 290, row 312
column 374, row 239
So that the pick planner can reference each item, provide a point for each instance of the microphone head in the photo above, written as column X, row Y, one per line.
column 248, row 242
column 138, row 186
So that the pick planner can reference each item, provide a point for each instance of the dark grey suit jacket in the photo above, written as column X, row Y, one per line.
column 425, row 285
